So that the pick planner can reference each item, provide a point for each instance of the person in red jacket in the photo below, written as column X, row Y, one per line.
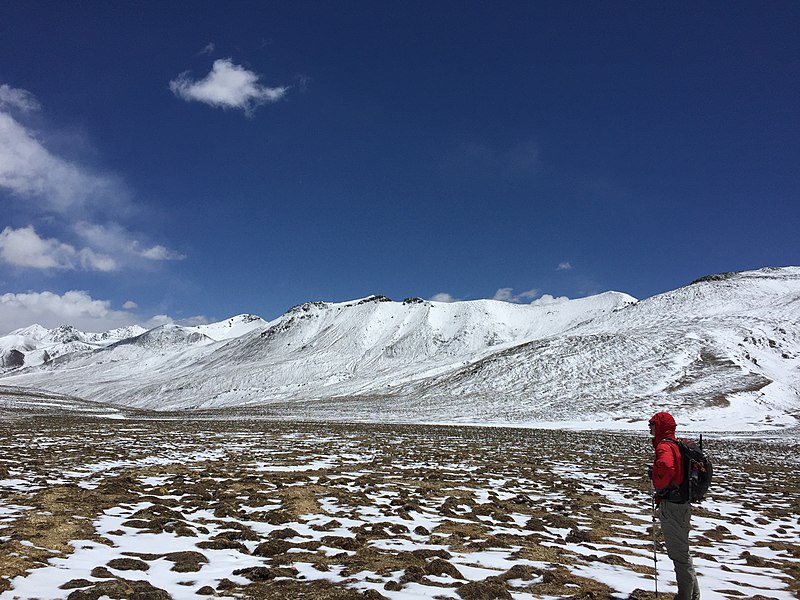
column 674, row 514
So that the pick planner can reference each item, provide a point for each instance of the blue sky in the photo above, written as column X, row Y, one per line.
column 192, row 161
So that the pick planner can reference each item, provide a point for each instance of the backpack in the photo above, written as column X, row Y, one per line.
column 697, row 469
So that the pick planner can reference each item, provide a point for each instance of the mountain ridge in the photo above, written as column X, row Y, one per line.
column 722, row 351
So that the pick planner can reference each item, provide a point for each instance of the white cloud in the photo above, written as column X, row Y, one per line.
column 508, row 295
column 227, row 86
column 564, row 266
column 17, row 98
column 547, row 299
column 443, row 297
column 209, row 49
column 130, row 305
column 93, row 261
column 158, row 321
column 193, row 321
column 24, row 248
column 30, row 171
column 116, row 240
column 75, row 308
column 161, row 253
column 68, row 195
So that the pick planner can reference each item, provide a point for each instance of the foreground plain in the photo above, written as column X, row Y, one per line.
column 165, row 507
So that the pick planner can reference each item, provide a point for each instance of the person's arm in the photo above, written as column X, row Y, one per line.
column 664, row 467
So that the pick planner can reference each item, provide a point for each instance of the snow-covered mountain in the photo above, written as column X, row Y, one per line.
column 722, row 353
column 36, row 345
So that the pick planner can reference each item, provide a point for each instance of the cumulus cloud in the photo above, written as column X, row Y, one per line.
column 547, row 299
column 25, row 248
column 227, row 86
column 564, row 266
column 130, row 305
column 75, row 308
column 508, row 295
column 20, row 99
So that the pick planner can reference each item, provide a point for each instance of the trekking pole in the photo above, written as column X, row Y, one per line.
column 655, row 555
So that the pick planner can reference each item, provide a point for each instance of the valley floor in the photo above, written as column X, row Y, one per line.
column 175, row 508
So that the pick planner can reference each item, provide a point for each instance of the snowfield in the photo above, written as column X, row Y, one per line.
column 188, row 509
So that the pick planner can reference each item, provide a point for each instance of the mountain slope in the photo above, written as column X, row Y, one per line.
column 722, row 353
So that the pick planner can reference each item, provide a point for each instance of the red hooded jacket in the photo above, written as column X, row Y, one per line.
column 668, row 466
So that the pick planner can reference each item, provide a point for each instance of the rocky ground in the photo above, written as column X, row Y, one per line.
column 150, row 508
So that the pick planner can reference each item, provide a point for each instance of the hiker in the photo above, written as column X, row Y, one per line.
column 674, row 513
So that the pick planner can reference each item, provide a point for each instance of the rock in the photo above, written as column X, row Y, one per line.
column 206, row 590
column 11, row 359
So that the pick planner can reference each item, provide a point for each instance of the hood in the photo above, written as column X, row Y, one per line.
column 665, row 425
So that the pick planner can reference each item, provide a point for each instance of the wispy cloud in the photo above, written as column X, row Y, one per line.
column 15, row 98
column 227, row 86
column 71, row 197
column 480, row 158
column 159, row 253
column 508, row 295
column 209, row 49
column 564, row 266
column 28, row 170
column 121, row 243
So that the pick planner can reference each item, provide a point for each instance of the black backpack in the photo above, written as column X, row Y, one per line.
column 697, row 471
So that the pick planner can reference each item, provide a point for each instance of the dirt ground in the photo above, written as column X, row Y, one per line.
column 178, row 508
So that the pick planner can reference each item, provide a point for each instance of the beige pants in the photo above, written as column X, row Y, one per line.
column 675, row 524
